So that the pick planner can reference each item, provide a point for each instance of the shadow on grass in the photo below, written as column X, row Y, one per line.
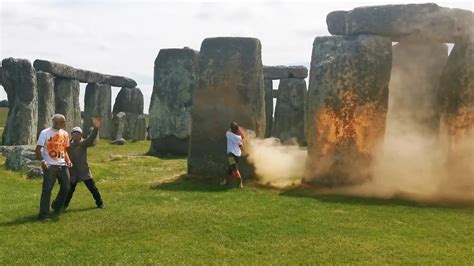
column 27, row 220
column 193, row 184
column 304, row 192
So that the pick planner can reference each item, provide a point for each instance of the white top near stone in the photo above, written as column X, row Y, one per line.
column 233, row 143
column 54, row 143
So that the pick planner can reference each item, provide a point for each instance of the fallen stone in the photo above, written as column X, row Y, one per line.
column 46, row 104
column 97, row 103
column 284, row 72
column 119, row 141
column 172, row 99
column 347, row 106
column 19, row 81
column 230, row 88
column 428, row 21
column 66, row 93
column 289, row 111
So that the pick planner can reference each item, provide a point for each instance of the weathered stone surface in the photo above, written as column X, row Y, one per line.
column 456, row 100
column 427, row 20
column 1, row 71
column 284, row 72
column 169, row 145
column 19, row 81
column 97, row 103
column 230, row 88
column 347, row 106
column 289, row 111
column 413, row 105
column 86, row 76
column 336, row 22
column 4, row 103
column 23, row 158
column 46, row 104
column 129, row 100
column 119, row 121
column 172, row 99
column 66, row 94
column 268, row 86
column 139, row 128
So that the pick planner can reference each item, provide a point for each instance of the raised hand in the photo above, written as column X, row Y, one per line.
column 96, row 122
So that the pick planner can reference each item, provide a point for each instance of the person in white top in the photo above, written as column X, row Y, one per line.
column 234, row 144
column 51, row 151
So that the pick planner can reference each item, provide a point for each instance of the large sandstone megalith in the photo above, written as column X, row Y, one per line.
column 66, row 94
column 289, row 111
column 413, row 108
column 230, row 88
column 46, row 105
column 19, row 81
column 129, row 100
column 268, row 86
column 347, row 106
column 97, row 103
column 172, row 100
column 456, row 100
column 429, row 21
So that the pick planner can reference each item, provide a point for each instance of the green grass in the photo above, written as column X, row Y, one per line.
column 157, row 215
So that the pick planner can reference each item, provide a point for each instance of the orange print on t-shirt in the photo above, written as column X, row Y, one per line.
column 56, row 146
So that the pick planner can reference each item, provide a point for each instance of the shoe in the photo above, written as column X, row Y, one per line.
column 45, row 219
column 224, row 182
column 101, row 206
column 241, row 185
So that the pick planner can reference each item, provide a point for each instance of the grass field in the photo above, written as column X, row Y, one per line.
column 157, row 215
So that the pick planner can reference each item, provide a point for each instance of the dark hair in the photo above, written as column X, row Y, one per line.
column 234, row 127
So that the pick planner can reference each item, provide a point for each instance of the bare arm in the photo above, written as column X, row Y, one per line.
column 39, row 154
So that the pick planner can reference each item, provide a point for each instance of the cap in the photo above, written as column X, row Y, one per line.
column 76, row 129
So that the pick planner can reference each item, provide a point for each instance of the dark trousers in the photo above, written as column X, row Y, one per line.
column 49, row 179
column 90, row 184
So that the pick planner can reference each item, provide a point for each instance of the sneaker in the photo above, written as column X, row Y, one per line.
column 45, row 219
column 241, row 185
column 101, row 206
column 224, row 182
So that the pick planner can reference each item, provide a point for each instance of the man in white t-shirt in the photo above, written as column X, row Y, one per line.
column 234, row 152
column 52, row 151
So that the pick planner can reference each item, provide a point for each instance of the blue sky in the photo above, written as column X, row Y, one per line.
column 124, row 37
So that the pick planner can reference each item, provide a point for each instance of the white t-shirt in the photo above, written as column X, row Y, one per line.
column 54, row 143
column 233, row 142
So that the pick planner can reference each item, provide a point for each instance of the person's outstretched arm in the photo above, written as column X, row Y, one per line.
column 90, row 140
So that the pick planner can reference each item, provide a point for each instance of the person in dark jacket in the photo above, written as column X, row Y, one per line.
column 80, row 170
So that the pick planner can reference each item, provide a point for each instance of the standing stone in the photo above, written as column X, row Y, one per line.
column 230, row 88
column 172, row 101
column 268, row 86
column 66, row 94
column 413, row 105
column 456, row 99
column 119, row 125
column 46, row 105
column 347, row 106
column 97, row 103
column 19, row 81
column 289, row 111
column 129, row 100
column 284, row 72
column 139, row 129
